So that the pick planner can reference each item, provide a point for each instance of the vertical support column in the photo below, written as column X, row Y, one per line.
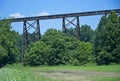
column 77, row 28
column 38, row 35
column 24, row 40
column 63, row 25
column 25, row 34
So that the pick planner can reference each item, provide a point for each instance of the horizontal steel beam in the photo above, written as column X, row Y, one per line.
column 65, row 15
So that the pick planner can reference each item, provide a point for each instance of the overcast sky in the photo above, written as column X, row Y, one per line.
column 28, row 8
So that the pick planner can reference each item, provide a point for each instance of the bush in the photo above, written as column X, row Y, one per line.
column 103, row 58
column 56, row 49
column 3, row 56
column 36, row 54
column 82, row 54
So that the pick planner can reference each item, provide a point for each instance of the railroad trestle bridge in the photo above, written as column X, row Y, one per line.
column 65, row 22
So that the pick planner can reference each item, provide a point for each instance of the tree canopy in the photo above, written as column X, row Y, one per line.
column 86, row 33
column 8, row 43
column 107, row 40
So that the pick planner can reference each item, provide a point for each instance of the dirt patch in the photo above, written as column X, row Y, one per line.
column 75, row 75
column 65, row 76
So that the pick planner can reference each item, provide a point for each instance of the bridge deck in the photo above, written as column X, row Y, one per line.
column 65, row 15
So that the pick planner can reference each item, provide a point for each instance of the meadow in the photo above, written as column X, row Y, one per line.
column 17, row 72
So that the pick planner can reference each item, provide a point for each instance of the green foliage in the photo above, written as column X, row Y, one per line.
column 55, row 49
column 84, row 51
column 36, row 54
column 70, row 32
column 80, row 54
column 55, row 39
column 107, row 41
column 71, row 44
column 86, row 33
column 3, row 55
column 103, row 57
column 8, row 42
column 116, row 55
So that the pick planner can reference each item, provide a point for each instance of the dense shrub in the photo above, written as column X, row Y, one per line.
column 55, row 49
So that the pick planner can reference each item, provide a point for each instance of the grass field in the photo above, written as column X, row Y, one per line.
column 17, row 72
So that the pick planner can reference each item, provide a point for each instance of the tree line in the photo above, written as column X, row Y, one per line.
column 100, row 46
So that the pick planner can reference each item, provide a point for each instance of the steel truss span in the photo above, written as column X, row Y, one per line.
column 91, row 13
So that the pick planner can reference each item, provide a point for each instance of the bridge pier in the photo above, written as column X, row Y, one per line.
column 77, row 29
column 38, row 35
column 71, row 22
column 25, row 41
column 63, row 25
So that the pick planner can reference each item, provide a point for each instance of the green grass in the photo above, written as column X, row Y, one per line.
column 106, row 79
column 7, row 74
column 17, row 72
column 105, row 68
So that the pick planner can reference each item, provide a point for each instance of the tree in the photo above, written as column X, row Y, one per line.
column 106, row 42
column 3, row 55
column 101, row 43
column 86, row 33
column 55, row 39
column 113, row 29
column 8, row 42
